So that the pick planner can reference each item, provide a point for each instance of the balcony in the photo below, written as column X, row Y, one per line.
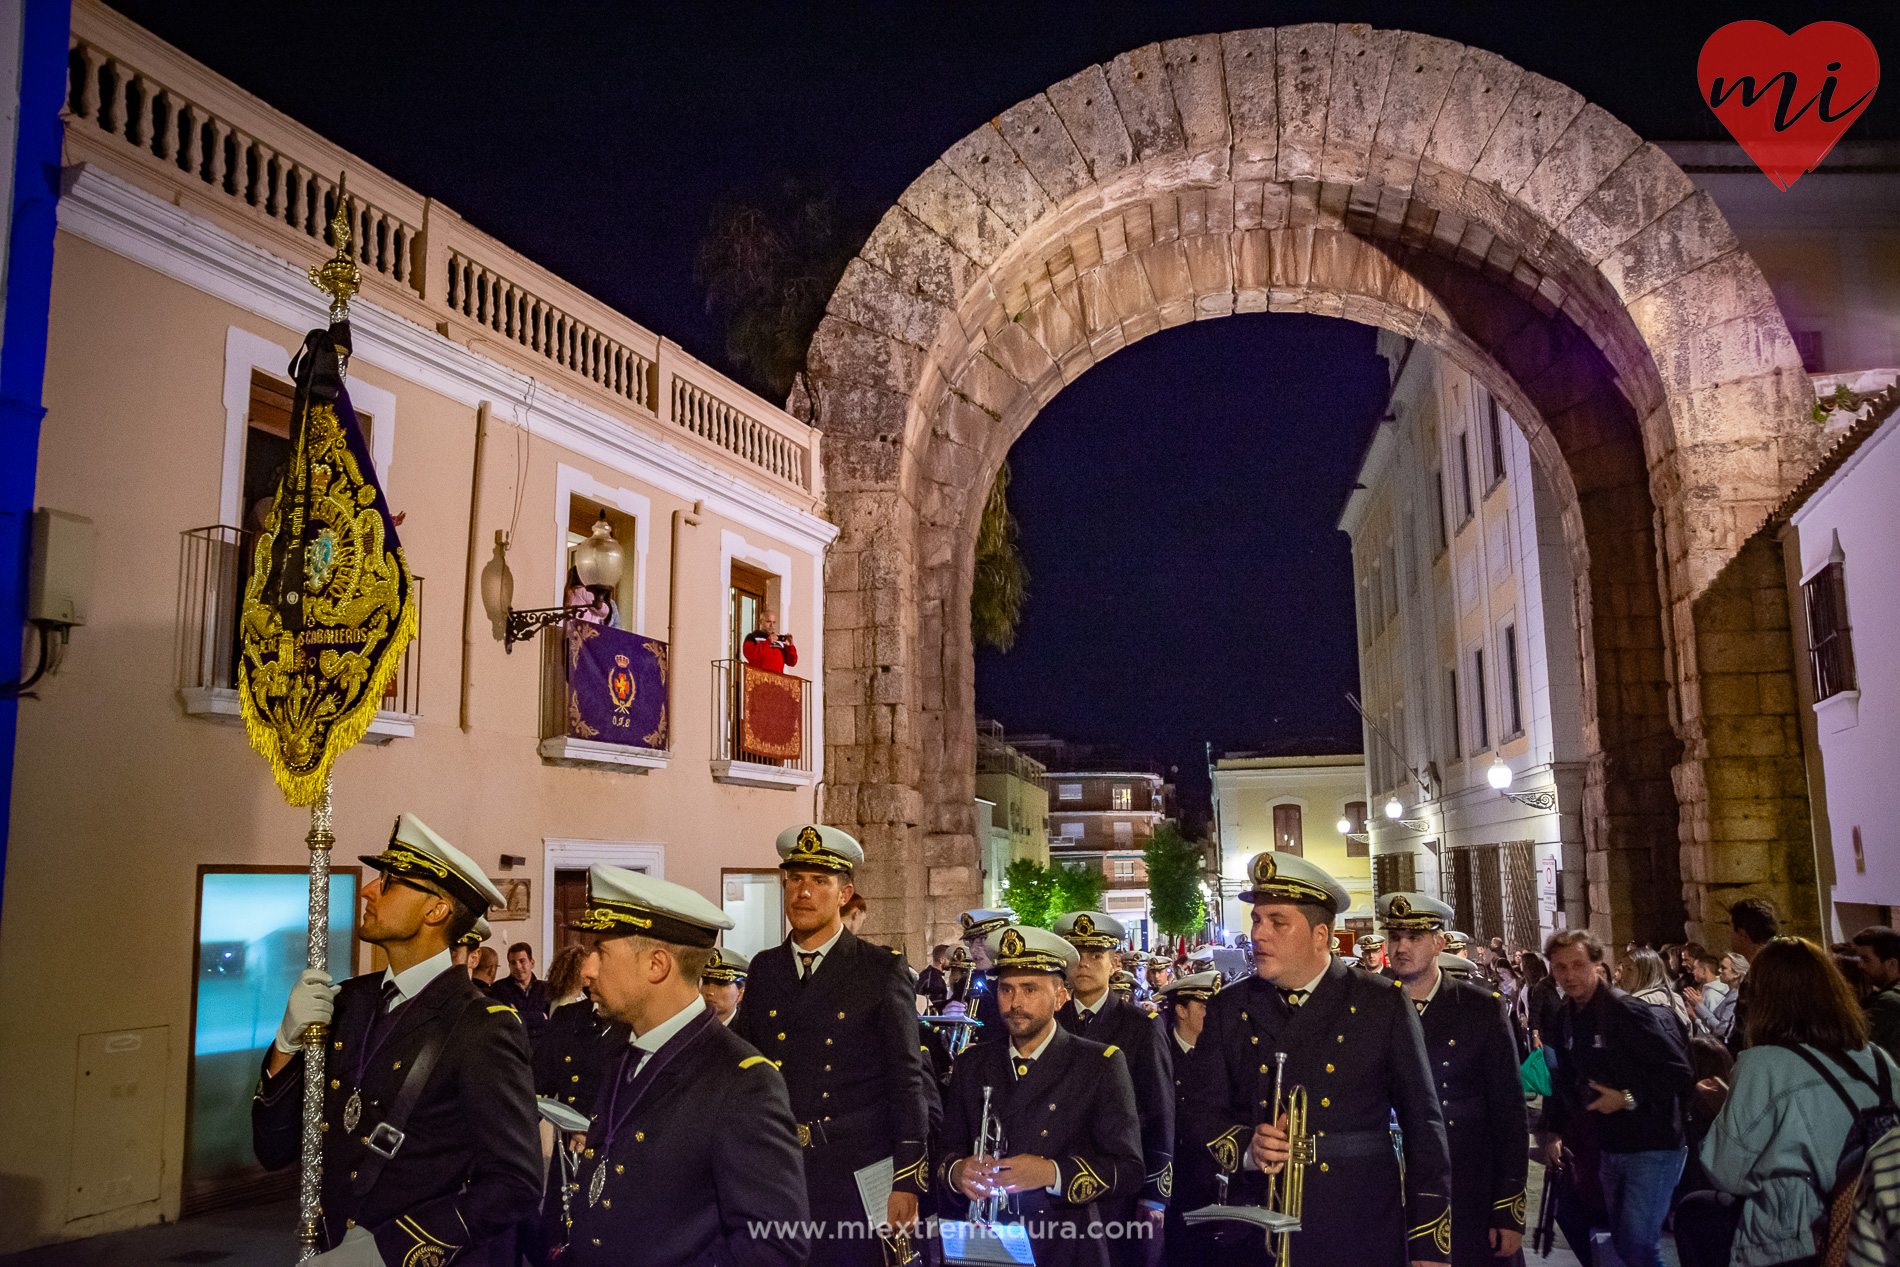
column 761, row 727
column 215, row 563
column 604, row 699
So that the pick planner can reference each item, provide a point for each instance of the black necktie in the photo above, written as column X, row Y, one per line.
column 390, row 993
column 1293, row 997
column 1022, row 1065
column 805, row 961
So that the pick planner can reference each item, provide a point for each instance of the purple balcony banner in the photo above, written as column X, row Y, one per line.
column 616, row 686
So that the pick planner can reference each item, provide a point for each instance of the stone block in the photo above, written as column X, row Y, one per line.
column 1252, row 92
column 843, row 351
column 990, row 166
column 1362, row 65
column 1480, row 93
column 1680, row 240
column 1540, row 111
column 1593, row 146
column 1195, row 76
column 1139, row 81
column 1035, row 132
column 1018, row 353
column 1303, row 65
column 1747, row 736
column 1645, row 186
column 951, row 209
column 952, row 881
column 1423, row 67
column 1089, row 114
column 919, row 258
column 1127, row 288
column 1209, row 263
column 989, row 387
column 1738, row 862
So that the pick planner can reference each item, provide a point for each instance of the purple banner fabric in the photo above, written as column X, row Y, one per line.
column 616, row 686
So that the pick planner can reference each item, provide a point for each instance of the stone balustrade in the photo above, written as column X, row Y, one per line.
column 145, row 112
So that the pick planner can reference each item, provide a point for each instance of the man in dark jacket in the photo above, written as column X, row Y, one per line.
column 1183, row 1004
column 839, row 1018
column 462, row 1166
column 1101, row 1015
column 1473, row 1058
column 521, row 990
column 1626, row 1064
column 1066, row 1107
column 1879, row 950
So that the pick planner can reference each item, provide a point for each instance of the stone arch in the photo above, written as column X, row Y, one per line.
column 1391, row 178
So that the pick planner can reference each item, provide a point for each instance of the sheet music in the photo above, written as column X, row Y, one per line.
column 874, row 1189
column 986, row 1244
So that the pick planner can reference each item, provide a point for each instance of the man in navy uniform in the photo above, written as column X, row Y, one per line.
column 692, row 1156
column 1183, row 1003
column 1473, row 1058
column 430, row 1143
column 1354, row 1043
column 722, row 984
column 979, row 993
column 1070, row 1139
column 1100, row 1015
column 839, row 1018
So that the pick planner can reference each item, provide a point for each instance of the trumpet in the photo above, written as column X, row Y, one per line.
column 1279, row 1215
column 989, row 1143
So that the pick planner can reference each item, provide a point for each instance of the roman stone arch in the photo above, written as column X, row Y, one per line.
column 1391, row 178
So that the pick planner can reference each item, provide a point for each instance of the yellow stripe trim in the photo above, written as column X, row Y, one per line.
column 503, row 1007
column 750, row 1061
column 1111, row 1050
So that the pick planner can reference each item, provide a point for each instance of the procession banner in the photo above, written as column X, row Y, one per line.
column 616, row 686
column 771, row 714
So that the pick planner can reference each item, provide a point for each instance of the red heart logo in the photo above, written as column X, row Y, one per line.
column 1787, row 98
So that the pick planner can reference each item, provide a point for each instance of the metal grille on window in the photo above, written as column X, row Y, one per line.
column 1520, row 895
column 1395, row 873
column 1463, row 906
column 1489, row 893
column 1831, row 648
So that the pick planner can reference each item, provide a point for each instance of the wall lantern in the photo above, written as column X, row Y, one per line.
column 1394, row 809
column 1499, row 775
column 598, row 561
column 1344, row 825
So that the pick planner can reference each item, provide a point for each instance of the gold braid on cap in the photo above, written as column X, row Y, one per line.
column 1400, row 915
column 603, row 916
column 1015, row 952
column 1084, row 934
column 723, row 973
column 810, row 851
column 398, row 857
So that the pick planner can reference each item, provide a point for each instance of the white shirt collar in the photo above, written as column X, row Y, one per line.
column 655, row 1038
column 411, row 980
column 1041, row 1047
column 1086, row 1010
column 820, row 951
column 1436, row 982
column 1184, row 1045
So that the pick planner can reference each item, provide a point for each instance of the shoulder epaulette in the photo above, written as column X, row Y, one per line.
column 1496, row 995
column 503, row 1007
column 1110, row 1050
column 750, row 1061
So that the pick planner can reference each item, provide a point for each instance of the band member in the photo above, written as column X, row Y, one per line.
column 979, row 991
column 430, row 1143
column 570, row 1062
column 1123, row 985
column 1354, row 1043
column 1100, row 1014
column 1070, row 1139
column 1184, row 1011
column 1371, row 950
column 462, row 953
column 722, row 983
column 1457, row 943
column 692, row 1156
column 839, row 1018
column 1473, row 1059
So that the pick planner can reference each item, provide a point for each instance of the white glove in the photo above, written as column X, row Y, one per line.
column 312, row 1001
column 356, row 1249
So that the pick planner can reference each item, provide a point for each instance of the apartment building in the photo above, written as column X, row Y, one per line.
column 1011, row 782
column 1310, row 806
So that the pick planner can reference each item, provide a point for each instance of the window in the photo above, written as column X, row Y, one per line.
column 1441, row 527
column 1513, row 694
column 1068, row 791
column 582, row 514
column 1395, row 873
column 1494, row 435
column 1478, row 699
column 1287, row 835
column 1071, row 831
column 1124, row 833
column 1408, row 555
column 1454, row 737
column 748, row 588
column 266, row 446
column 1830, row 644
column 1466, row 506
column 1122, row 797
column 1355, row 816
column 1124, row 868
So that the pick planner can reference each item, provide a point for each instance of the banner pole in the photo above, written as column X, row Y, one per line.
column 310, row 1192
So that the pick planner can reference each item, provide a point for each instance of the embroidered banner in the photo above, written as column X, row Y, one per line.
column 616, row 686
column 329, row 606
column 771, row 714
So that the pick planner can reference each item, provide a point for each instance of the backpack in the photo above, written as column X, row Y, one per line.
column 1865, row 1128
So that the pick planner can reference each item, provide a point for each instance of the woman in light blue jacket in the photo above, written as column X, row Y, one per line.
column 1773, row 1150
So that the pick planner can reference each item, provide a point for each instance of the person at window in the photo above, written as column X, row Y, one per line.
column 597, row 601
column 526, row 993
column 1879, row 951
column 766, row 648
column 1773, row 1150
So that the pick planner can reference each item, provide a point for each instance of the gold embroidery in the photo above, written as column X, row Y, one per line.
column 1225, row 1149
column 1514, row 1206
column 1085, row 1186
column 1167, row 1180
column 750, row 1061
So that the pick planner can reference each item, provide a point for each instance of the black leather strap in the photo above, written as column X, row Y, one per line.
column 413, row 1083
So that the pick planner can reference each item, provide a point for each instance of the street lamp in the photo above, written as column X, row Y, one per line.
column 1499, row 775
column 1394, row 809
column 598, row 562
column 1344, row 825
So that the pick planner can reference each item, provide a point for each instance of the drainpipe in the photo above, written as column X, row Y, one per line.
column 688, row 518
column 44, row 28
column 471, row 580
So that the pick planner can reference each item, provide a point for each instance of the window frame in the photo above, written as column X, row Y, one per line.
column 1481, row 702
column 1831, row 665
column 1442, row 538
column 1467, row 500
column 1494, row 436
column 1455, row 719
column 1514, row 690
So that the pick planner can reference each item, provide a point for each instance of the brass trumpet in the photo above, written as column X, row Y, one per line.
column 1279, row 1215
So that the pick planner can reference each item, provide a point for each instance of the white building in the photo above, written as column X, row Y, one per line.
column 1311, row 806
column 1468, row 658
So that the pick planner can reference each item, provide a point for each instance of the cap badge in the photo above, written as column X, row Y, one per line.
column 1401, row 907
column 1084, row 926
column 1012, row 943
column 809, row 841
column 1263, row 868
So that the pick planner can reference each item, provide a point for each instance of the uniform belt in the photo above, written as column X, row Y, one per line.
column 1343, row 1145
column 832, row 1130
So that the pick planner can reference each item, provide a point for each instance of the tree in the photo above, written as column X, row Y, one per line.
column 1001, row 582
column 1029, row 889
column 769, row 265
column 1174, row 882
column 1078, row 887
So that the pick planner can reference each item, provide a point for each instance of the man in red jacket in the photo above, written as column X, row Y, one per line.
column 766, row 649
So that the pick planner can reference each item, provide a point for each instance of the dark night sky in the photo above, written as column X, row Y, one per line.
column 595, row 138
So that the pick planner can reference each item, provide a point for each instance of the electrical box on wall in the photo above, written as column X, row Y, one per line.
column 59, row 587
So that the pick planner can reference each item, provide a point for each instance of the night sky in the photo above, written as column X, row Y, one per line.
column 1178, row 503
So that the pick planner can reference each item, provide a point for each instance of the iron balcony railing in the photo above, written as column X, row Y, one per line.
column 747, row 722
column 215, row 563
